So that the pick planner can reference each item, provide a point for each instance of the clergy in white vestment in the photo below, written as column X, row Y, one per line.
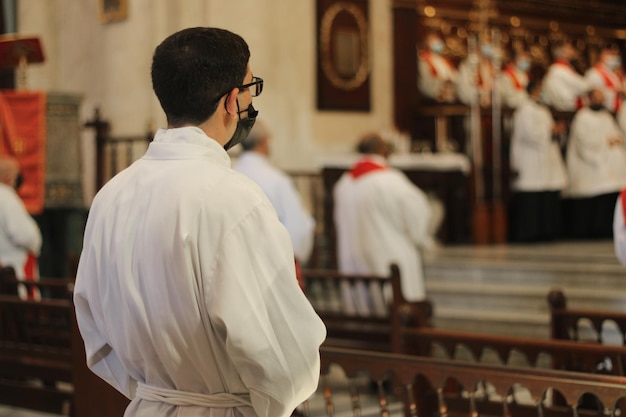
column 596, row 166
column 605, row 75
column 480, row 78
column 20, row 237
column 514, row 80
column 186, row 294
column 539, row 173
column 280, row 190
column 563, row 87
column 381, row 218
column 437, row 75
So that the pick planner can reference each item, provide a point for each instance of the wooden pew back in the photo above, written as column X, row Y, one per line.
column 565, row 323
column 351, row 329
column 421, row 384
column 519, row 351
column 36, row 346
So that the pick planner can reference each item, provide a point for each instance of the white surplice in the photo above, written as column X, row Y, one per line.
column 382, row 218
column 535, row 157
column 595, row 167
column 187, row 284
column 284, row 197
column 563, row 87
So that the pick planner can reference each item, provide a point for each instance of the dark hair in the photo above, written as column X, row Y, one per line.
column 532, row 84
column 193, row 68
column 372, row 143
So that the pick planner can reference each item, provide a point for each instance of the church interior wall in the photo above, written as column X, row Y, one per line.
column 109, row 65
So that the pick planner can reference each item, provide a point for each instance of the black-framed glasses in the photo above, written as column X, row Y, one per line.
column 257, row 83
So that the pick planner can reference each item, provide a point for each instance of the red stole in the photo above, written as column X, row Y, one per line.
column 510, row 71
column 610, row 84
column 365, row 166
column 426, row 56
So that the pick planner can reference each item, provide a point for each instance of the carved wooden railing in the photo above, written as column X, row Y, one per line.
column 428, row 387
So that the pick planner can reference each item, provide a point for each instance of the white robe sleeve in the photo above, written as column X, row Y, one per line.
column 619, row 232
column 21, row 227
column 416, row 214
column 299, row 223
column 101, row 358
column 272, row 333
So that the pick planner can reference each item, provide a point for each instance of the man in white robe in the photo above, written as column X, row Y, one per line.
column 514, row 80
column 564, row 88
column 437, row 75
column 605, row 75
column 381, row 218
column 479, row 78
column 539, row 172
column 186, row 295
column 279, row 188
column 20, row 237
column 596, row 166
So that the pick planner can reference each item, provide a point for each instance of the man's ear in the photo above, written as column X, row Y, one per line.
column 230, row 103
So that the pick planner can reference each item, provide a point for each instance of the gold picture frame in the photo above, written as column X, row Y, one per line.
column 112, row 10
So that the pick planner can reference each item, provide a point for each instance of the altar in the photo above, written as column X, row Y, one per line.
column 445, row 175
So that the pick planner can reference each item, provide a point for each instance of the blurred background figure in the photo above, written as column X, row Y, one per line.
column 478, row 78
column 381, row 218
column 20, row 237
column 596, row 166
column 539, row 171
column 254, row 163
column 606, row 75
column 437, row 75
column 514, row 80
column 564, row 88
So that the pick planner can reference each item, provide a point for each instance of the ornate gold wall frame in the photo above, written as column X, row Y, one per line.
column 343, row 55
column 112, row 10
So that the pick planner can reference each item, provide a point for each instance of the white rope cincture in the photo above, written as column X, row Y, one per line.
column 184, row 398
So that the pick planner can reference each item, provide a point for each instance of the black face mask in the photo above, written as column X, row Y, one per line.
column 243, row 126
column 596, row 107
column 18, row 181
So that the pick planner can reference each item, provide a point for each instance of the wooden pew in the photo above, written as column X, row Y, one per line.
column 372, row 332
column 420, row 384
column 555, row 354
column 42, row 355
column 562, row 353
column 36, row 347
column 565, row 322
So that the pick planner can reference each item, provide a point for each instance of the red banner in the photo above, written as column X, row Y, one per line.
column 23, row 136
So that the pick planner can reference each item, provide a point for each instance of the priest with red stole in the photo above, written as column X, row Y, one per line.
column 564, row 88
column 606, row 76
column 514, row 80
column 381, row 218
column 437, row 75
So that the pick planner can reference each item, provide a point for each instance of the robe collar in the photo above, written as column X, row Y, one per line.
column 368, row 164
column 186, row 143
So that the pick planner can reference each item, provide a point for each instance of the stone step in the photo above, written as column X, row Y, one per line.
column 503, row 289
column 520, row 298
